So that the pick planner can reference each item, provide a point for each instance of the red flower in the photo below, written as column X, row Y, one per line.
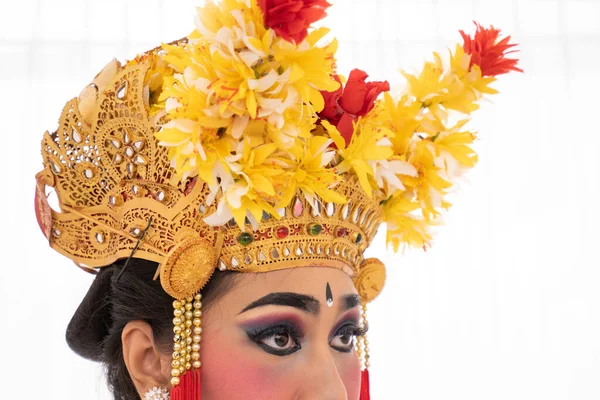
column 488, row 52
column 345, row 105
column 290, row 19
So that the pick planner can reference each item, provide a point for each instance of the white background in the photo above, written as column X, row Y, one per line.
column 507, row 303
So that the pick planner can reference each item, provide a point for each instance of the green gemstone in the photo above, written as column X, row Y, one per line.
column 358, row 238
column 315, row 229
column 245, row 239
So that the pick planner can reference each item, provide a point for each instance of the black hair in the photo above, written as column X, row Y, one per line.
column 96, row 327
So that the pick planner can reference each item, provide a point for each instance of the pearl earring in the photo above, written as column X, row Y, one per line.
column 157, row 393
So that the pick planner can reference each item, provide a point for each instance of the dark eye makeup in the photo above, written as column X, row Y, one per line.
column 280, row 338
column 283, row 338
column 345, row 336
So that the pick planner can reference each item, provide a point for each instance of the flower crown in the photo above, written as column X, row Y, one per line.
column 255, row 107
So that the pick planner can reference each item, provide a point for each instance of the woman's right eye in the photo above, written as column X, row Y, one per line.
column 278, row 340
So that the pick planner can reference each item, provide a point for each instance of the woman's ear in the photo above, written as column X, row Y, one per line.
column 146, row 365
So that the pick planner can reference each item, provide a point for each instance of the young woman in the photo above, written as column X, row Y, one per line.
column 224, row 189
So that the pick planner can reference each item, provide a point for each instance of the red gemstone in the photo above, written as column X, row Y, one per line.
column 341, row 232
column 282, row 232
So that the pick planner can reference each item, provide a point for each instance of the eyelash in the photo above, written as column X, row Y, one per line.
column 354, row 331
column 258, row 335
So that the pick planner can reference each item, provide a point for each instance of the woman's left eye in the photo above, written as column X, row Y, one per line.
column 343, row 342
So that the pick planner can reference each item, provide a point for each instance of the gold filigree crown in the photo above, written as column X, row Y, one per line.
column 111, row 178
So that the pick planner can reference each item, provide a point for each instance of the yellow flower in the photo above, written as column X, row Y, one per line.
column 388, row 174
column 214, row 16
column 310, row 68
column 405, row 227
column 309, row 172
column 403, row 118
column 459, row 64
column 455, row 143
column 458, row 88
column 296, row 123
column 369, row 143
column 193, row 149
column 255, row 176
column 429, row 186
column 431, row 84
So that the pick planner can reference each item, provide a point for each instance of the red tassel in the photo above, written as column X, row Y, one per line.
column 365, row 389
column 189, row 388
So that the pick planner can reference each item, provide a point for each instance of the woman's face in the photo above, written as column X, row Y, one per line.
column 275, row 336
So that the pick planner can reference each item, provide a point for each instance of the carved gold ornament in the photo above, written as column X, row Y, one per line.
column 370, row 279
column 189, row 266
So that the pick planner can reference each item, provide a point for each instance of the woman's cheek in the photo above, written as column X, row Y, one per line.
column 235, row 375
column 351, row 376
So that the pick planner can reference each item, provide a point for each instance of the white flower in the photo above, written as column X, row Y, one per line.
column 386, row 173
column 221, row 216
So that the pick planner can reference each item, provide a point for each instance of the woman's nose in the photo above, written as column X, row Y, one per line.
column 323, row 379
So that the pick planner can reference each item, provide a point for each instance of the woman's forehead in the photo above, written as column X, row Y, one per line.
column 310, row 281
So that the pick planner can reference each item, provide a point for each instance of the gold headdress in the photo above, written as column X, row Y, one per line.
column 240, row 148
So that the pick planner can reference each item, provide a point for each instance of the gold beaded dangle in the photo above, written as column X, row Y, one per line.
column 197, row 331
column 179, row 348
column 359, row 351
column 362, row 349
column 187, row 327
column 365, row 341
column 362, row 344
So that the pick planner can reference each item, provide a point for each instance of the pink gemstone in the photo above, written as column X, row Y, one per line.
column 298, row 208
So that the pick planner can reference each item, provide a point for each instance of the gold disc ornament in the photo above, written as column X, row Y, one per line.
column 188, row 268
column 370, row 279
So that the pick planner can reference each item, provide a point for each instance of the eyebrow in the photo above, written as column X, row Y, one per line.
column 288, row 299
column 350, row 301
column 300, row 301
